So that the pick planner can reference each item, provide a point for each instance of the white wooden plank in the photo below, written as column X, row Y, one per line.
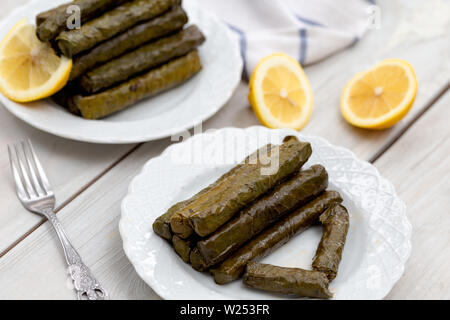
column 418, row 166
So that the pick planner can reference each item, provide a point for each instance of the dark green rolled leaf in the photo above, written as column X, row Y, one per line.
column 336, row 222
column 274, row 237
column 180, row 223
column 111, row 23
column 183, row 247
column 303, row 283
column 162, row 227
column 131, row 39
column 197, row 261
column 221, row 204
column 56, row 20
column 250, row 168
column 298, row 190
column 129, row 93
column 142, row 59
column 41, row 17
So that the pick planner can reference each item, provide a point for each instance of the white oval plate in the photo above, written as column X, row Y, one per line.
column 158, row 117
column 377, row 247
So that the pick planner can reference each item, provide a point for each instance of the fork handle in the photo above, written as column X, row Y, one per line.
column 84, row 281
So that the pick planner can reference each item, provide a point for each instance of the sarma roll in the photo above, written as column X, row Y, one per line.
column 57, row 21
column 161, row 226
column 111, row 23
column 300, row 189
column 180, row 224
column 41, row 17
column 274, row 237
column 220, row 205
column 64, row 96
column 197, row 261
column 335, row 221
column 155, row 81
column 303, row 283
column 131, row 39
column 183, row 247
column 142, row 59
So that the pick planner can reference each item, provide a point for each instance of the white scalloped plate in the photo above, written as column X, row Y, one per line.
column 166, row 114
column 377, row 247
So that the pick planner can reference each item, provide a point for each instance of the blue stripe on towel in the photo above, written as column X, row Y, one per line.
column 243, row 41
column 355, row 40
column 303, row 45
column 309, row 21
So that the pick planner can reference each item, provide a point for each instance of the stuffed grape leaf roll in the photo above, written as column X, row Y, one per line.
column 183, row 247
column 274, row 237
column 336, row 222
column 180, row 223
column 142, row 59
column 131, row 39
column 300, row 282
column 111, row 23
column 161, row 226
column 197, row 261
column 41, row 17
column 298, row 190
column 259, row 172
column 147, row 85
column 221, row 204
column 56, row 21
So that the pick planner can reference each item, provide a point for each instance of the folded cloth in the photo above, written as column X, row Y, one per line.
column 308, row 30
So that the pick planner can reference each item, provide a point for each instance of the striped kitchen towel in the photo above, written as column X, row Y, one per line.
column 309, row 30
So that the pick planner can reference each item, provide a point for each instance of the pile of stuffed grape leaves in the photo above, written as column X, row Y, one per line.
column 123, row 52
column 247, row 213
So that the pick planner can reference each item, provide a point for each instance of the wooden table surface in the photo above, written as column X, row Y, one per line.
column 91, row 180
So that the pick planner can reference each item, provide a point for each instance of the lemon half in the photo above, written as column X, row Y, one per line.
column 280, row 93
column 30, row 69
column 381, row 96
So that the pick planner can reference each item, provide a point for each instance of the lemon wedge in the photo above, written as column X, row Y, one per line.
column 381, row 96
column 280, row 93
column 30, row 69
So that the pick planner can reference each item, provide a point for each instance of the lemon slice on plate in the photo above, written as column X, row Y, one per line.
column 381, row 96
column 280, row 93
column 30, row 69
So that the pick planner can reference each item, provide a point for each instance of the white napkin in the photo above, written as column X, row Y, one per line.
column 308, row 30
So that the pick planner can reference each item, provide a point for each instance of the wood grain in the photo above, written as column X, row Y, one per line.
column 418, row 166
column 70, row 166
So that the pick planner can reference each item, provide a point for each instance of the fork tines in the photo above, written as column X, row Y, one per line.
column 29, row 176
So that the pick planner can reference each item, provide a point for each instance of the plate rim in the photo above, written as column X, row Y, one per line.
column 154, row 285
column 224, row 98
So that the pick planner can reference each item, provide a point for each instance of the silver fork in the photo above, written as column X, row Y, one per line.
column 36, row 195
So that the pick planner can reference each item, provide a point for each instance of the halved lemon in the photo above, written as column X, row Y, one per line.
column 280, row 93
column 381, row 96
column 30, row 69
